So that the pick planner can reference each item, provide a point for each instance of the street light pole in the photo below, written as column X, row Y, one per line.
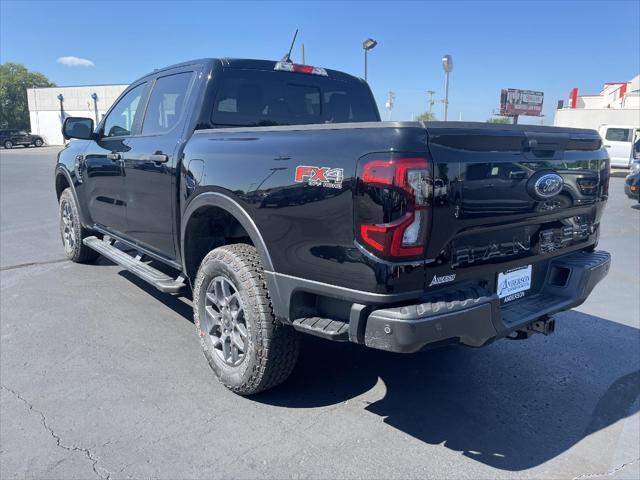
column 366, row 52
column 447, row 65
column 94, row 96
column 61, row 100
column 367, row 45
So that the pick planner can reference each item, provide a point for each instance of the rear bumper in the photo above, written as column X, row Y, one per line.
column 470, row 315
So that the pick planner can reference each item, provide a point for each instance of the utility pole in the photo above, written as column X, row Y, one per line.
column 302, row 47
column 389, row 105
column 431, row 93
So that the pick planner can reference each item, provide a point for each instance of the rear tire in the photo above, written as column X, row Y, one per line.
column 232, row 310
column 72, row 231
column 8, row 145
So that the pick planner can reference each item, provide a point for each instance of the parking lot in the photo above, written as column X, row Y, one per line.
column 103, row 377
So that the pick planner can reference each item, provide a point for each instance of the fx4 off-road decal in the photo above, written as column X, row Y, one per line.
column 320, row 176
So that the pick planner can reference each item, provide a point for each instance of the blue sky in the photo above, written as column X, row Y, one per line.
column 545, row 45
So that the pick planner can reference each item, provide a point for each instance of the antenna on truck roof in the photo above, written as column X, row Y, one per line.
column 287, row 57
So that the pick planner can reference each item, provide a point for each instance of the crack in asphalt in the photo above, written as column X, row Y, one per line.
column 32, row 264
column 72, row 448
column 610, row 472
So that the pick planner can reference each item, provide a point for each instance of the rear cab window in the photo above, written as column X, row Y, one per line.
column 253, row 98
column 618, row 134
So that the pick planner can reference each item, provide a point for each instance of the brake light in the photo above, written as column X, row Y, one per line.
column 298, row 68
column 394, row 206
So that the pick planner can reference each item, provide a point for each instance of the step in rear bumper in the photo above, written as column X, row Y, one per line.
column 469, row 315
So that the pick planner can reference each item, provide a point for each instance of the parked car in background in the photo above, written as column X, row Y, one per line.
column 632, row 182
column 619, row 140
column 10, row 137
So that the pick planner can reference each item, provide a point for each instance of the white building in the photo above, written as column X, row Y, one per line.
column 48, row 107
column 618, row 103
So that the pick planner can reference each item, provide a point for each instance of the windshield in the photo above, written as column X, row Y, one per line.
column 265, row 98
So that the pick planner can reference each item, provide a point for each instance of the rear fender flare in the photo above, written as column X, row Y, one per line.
column 224, row 202
column 216, row 199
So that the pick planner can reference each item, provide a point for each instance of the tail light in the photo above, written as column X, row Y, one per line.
column 393, row 206
column 605, row 175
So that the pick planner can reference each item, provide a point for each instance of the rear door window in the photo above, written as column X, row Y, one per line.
column 166, row 103
column 264, row 98
column 618, row 134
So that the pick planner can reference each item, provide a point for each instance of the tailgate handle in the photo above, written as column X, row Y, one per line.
column 544, row 145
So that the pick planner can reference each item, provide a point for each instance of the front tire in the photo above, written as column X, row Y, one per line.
column 38, row 142
column 72, row 231
column 247, row 348
column 8, row 145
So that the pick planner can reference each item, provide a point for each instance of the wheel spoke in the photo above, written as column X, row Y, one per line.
column 237, row 341
column 226, row 348
column 242, row 330
column 234, row 301
column 211, row 296
column 219, row 291
column 213, row 316
column 226, row 290
column 234, row 354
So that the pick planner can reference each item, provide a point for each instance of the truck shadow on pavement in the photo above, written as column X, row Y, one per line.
column 512, row 405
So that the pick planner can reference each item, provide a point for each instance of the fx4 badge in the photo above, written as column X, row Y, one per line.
column 442, row 279
column 320, row 176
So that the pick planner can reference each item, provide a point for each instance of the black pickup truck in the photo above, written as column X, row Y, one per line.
column 274, row 192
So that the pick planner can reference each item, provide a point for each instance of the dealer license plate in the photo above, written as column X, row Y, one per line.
column 514, row 284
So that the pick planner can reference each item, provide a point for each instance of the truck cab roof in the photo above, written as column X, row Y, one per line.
column 247, row 64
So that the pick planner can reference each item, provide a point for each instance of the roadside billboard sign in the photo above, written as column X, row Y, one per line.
column 514, row 102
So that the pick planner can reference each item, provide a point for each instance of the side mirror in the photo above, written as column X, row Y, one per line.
column 77, row 127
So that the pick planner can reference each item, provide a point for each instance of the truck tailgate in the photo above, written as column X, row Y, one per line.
column 508, row 195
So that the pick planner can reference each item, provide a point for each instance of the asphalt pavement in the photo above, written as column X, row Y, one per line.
column 102, row 377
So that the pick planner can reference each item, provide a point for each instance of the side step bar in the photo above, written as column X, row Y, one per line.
column 135, row 265
column 323, row 327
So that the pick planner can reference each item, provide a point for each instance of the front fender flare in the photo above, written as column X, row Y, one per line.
column 62, row 170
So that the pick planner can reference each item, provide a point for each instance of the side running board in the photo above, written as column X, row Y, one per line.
column 323, row 327
column 135, row 265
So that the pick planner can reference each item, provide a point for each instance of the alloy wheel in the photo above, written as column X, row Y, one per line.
column 225, row 321
column 68, row 229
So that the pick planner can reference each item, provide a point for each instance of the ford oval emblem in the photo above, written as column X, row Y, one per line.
column 547, row 185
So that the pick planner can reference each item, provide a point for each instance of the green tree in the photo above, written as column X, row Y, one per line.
column 14, row 81
column 501, row 120
column 426, row 117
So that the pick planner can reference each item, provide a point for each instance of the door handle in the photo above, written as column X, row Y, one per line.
column 159, row 158
column 114, row 156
